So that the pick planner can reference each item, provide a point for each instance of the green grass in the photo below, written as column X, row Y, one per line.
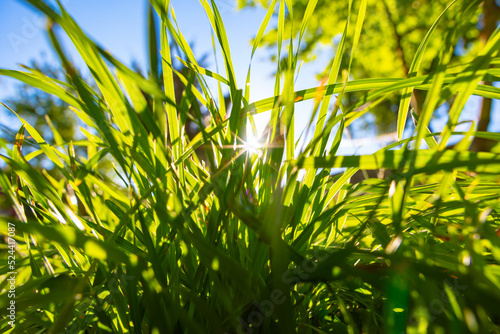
column 164, row 243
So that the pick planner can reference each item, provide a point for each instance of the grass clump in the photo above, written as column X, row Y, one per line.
column 165, row 243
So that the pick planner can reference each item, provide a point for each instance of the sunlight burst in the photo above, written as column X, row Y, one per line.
column 253, row 144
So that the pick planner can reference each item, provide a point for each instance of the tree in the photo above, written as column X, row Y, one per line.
column 390, row 39
column 491, row 15
column 43, row 111
column 47, row 113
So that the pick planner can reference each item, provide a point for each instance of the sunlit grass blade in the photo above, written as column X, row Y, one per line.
column 413, row 71
column 257, row 39
column 426, row 162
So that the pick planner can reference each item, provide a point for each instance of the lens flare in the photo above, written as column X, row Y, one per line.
column 253, row 145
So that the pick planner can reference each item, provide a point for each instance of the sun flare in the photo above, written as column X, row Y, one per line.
column 253, row 144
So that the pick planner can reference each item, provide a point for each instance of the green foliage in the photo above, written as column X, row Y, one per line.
column 393, row 32
column 48, row 114
column 247, row 243
column 37, row 104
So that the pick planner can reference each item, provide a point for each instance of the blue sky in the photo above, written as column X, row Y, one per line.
column 120, row 26
column 121, row 29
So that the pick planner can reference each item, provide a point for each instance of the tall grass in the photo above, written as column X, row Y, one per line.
column 241, row 243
